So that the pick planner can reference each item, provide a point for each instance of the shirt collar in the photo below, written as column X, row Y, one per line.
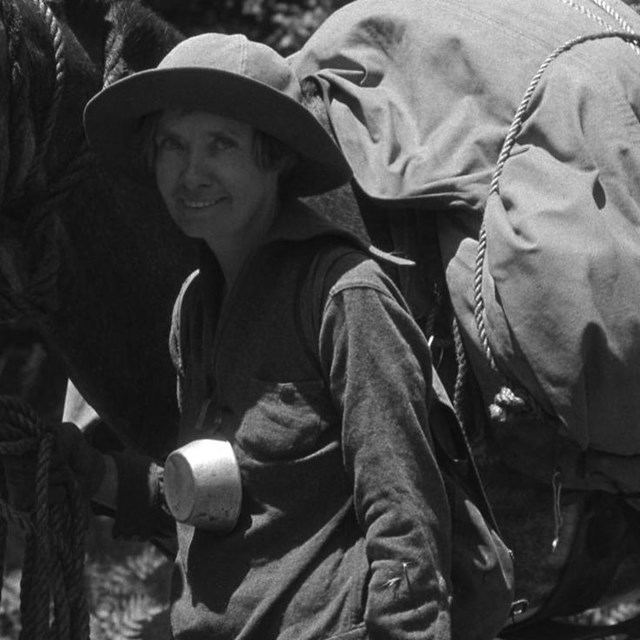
column 298, row 222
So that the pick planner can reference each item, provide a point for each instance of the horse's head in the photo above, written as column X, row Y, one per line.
column 92, row 265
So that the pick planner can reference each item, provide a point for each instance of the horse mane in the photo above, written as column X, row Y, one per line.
column 120, row 36
column 138, row 35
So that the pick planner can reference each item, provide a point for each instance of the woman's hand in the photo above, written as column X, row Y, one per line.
column 72, row 450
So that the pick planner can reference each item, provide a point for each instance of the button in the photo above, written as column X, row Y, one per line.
column 288, row 395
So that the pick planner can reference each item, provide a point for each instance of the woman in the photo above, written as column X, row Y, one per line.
column 292, row 345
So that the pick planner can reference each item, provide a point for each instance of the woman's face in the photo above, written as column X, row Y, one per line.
column 209, row 179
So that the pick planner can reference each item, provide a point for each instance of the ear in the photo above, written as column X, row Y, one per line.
column 286, row 163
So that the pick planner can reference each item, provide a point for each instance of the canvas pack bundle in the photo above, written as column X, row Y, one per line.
column 557, row 280
column 515, row 127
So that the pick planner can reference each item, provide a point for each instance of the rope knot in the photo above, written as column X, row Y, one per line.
column 507, row 404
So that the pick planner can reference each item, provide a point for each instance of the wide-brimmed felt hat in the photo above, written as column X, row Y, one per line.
column 230, row 76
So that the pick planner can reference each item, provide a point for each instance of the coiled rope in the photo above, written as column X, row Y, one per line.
column 31, row 195
column 60, row 73
column 20, row 181
column 53, row 602
column 512, row 400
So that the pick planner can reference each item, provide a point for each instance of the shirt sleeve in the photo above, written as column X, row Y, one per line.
column 378, row 365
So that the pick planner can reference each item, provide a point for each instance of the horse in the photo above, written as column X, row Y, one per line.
column 95, row 265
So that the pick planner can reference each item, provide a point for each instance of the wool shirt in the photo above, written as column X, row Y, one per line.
column 314, row 370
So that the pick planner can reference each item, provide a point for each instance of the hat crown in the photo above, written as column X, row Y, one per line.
column 237, row 55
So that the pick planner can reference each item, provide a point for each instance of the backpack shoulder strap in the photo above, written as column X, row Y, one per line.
column 455, row 450
column 326, row 258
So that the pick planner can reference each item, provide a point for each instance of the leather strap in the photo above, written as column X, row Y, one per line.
column 551, row 630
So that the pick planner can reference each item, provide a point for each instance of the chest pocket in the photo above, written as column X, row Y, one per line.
column 284, row 420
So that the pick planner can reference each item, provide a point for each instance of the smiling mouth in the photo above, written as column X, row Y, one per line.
column 202, row 204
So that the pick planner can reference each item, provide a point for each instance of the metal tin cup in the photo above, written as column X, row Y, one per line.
column 202, row 485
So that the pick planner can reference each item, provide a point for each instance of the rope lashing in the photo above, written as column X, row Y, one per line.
column 608, row 9
column 18, row 109
column 611, row 12
column 53, row 600
column 32, row 195
column 19, row 181
column 508, row 398
column 60, row 70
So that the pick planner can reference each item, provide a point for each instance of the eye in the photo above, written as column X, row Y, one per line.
column 221, row 142
column 168, row 143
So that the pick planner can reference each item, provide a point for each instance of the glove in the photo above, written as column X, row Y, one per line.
column 73, row 460
column 73, row 451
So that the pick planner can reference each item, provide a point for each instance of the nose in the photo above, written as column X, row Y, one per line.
column 196, row 172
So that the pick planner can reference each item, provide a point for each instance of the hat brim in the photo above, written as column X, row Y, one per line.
column 112, row 121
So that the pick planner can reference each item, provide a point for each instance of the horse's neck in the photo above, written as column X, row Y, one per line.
column 95, row 270
column 123, row 266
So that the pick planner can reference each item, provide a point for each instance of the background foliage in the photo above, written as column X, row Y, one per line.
column 283, row 25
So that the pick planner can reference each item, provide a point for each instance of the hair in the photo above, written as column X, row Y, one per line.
column 267, row 150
